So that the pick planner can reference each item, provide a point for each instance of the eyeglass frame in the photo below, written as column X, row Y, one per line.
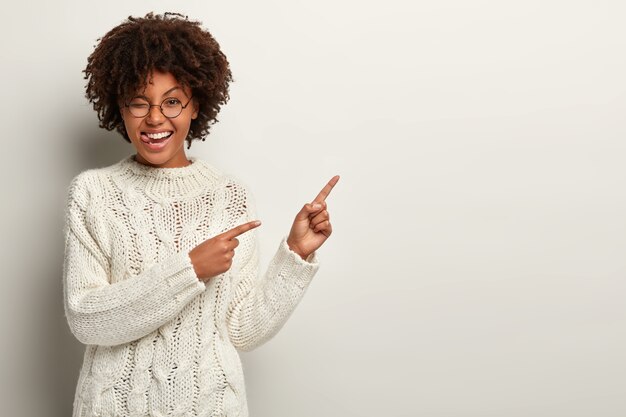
column 160, row 106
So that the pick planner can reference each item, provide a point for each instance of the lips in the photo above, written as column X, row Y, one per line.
column 156, row 140
column 156, row 137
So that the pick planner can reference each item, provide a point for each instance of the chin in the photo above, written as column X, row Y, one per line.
column 157, row 158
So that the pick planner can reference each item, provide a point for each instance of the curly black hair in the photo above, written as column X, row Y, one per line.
column 125, row 56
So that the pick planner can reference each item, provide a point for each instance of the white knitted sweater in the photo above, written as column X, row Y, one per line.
column 160, row 342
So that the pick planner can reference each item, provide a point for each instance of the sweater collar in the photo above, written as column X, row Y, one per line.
column 162, row 173
column 168, row 182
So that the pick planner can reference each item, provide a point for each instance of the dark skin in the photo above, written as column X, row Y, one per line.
column 310, row 229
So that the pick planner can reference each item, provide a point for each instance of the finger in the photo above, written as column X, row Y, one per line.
column 308, row 210
column 320, row 217
column 242, row 228
column 326, row 190
column 325, row 228
column 229, row 245
column 322, row 206
column 321, row 225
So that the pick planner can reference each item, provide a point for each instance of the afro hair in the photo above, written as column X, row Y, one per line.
column 125, row 56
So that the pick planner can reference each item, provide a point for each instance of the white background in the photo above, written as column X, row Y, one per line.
column 477, row 262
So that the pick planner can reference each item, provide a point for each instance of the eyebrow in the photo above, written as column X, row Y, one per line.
column 177, row 87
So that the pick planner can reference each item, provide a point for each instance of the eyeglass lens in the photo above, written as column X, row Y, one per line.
column 170, row 107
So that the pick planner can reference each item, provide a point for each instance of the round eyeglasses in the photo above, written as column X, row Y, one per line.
column 170, row 107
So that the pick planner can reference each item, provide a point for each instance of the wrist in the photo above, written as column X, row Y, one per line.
column 297, row 250
column 195, row 270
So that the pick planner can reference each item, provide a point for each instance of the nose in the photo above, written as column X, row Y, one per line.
column 155, row 117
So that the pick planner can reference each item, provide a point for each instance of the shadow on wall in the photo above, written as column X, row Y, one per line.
column 87, row 146
column 94, row 147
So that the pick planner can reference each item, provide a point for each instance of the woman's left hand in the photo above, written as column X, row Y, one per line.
column 311, row 226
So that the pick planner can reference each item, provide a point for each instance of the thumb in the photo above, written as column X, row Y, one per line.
column 307, row 209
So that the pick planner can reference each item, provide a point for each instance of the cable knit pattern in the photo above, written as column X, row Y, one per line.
column 161, row 342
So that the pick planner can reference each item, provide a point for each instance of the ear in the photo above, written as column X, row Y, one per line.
column 196, row 109
column 120, row 107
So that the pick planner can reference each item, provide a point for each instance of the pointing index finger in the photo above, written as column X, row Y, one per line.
column 242, row 228
column 321, row 197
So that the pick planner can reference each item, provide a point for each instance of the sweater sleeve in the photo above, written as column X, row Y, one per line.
column 101, row 313
column 261, row 305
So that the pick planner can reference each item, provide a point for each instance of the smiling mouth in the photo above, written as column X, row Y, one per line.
column 155, row 137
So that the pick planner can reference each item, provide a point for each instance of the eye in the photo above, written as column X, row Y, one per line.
column 138, row 104
column 171, row 102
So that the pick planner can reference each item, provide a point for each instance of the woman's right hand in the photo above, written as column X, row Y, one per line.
column 215, row 256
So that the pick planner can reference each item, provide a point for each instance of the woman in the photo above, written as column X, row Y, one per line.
column 161, row 260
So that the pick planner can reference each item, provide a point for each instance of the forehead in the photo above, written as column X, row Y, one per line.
column 158, row 83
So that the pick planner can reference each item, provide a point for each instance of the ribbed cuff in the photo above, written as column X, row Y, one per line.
column 181, row 276
column 301, row 271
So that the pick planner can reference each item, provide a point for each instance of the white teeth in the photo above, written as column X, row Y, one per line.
column 158, row 135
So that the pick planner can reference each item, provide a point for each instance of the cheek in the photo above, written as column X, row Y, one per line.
column 130, row 124
column 183, row 125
